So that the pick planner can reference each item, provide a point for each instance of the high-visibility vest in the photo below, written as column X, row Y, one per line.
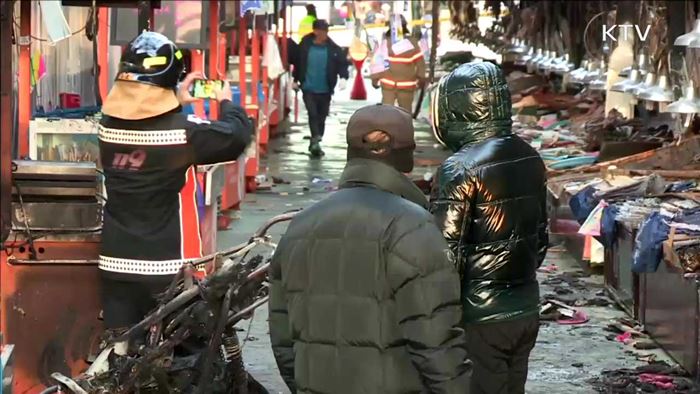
column 306, row 25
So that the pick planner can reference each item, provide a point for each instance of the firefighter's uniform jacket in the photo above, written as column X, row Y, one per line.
column 405, row 74
column 151, row 222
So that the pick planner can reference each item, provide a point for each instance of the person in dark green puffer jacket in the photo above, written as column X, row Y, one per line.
column 489, row 199
column 364, row 294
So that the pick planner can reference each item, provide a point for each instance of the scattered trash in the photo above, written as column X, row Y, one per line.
column 280, row 181
column 262, row 183
column 579, row 317
column 645, row 345
column 322, row 183
column 624, row 338
column 550, row 268
column 554, row 310
column 656, row 377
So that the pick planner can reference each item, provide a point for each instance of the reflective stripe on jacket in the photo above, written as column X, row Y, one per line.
column 405, row 69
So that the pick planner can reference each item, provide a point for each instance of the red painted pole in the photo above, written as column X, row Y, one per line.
column 255, row 65
column 358, row 88
column 242, row 44
column 214, row 52
column 103, row 50
column 198, row 65
column 265, row 131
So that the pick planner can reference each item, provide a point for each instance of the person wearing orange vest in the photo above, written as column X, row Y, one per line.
column 406, row 70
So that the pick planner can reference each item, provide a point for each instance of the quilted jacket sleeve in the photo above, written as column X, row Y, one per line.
column 280, row 333
column 450, row 205
column 427, row 295
column 543, row 233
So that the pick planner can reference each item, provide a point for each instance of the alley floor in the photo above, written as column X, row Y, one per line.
column 566, row 358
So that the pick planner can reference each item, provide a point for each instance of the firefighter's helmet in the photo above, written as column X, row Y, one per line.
column 153, row 59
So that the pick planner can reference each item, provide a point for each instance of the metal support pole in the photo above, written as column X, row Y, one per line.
column 676, row 13
column 434, row 39
column 144, row 15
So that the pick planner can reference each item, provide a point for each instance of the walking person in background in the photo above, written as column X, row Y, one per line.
column 306, row 24
column 319, row 63
column 489, row 200
column 406, row 71
column 364, row 294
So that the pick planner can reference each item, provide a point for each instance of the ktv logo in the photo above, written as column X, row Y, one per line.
column 608, row 32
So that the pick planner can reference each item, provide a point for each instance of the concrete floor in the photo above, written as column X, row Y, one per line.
column 565, row 357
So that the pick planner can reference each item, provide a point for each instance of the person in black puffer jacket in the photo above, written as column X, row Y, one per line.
column 489, row 200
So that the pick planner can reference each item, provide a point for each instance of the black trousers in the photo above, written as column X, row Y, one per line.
column 317, row 106
column 125, row 303
column 499, row 352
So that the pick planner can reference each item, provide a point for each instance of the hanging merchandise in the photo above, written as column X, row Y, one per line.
column 591, row 226
column 396, row 28
column 380, row 59
column 38, row 65
column 272, row 58
column 424, row 47
column 256, row 6
column 648, row 249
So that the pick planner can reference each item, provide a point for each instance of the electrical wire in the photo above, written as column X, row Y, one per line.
column 585, row 32
column 82, row 29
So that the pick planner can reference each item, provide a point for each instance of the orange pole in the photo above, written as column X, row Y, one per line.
column 103, row 50
column 25, row 79
column 242, row 79
column 214, row 54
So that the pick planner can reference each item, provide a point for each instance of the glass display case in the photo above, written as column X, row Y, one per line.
column 64, row 140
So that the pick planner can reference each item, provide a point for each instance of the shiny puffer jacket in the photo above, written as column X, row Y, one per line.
column 489, row 197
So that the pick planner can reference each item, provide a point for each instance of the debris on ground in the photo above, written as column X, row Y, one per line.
column 656, row 377
column 554, row 310
column 280, row 181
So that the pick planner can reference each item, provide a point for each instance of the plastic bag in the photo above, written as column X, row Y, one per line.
column 272, row 58
column 591, row 226
column 380, row 59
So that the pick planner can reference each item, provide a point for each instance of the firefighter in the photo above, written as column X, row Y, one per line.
column 149, row 151
column 406, row 71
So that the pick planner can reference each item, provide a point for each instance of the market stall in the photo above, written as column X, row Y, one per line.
column 616, row 122
column 52, row 203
